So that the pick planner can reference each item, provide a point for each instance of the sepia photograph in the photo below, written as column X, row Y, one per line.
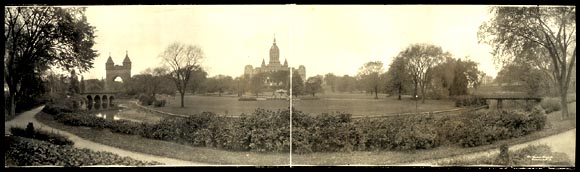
column 290, row 85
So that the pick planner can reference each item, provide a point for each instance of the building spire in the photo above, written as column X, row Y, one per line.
column 274, row 38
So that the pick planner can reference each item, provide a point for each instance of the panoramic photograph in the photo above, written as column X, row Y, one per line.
column 290, row 85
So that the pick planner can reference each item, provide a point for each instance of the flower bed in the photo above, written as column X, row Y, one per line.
column 20, row 151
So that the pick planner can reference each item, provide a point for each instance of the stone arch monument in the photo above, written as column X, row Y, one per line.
column 113, row 71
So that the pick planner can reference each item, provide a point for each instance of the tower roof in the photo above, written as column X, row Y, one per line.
column 126, row 60
column 274, row 53
column 110, row 60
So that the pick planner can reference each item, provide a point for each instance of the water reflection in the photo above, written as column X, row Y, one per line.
column 108, row 116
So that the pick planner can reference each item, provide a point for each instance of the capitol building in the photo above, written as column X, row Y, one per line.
column 274, row 65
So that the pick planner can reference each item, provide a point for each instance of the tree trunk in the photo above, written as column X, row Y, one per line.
column 422, row 94
column 182, row 95
column 564, row 103
column 400, row 90
column 376, row 92
column 12, row 110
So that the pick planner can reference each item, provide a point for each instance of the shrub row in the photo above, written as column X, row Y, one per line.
column 551, row 104
column 247, row 99
column 20, row 151
column 469, row 100
column 268, row 131
column 32, row 133
column 148, row 100
column 486, row 127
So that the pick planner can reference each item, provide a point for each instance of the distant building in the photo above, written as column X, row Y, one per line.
column 113, row 71
column 273, row 65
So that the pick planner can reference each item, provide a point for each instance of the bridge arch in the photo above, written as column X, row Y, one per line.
column 105, row 101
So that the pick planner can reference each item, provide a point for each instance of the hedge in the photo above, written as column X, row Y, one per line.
column 20, row 151
column 268, row 131
column 32, row 133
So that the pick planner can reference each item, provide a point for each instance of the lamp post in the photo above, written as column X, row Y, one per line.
column 416, row 104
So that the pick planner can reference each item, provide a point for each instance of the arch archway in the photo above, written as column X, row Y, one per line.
column 97, row 102
column 90, row 102
column 105, row 101
column 111, row 98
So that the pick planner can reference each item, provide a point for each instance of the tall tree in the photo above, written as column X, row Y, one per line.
column 73, row 84
column 421, row 59
column 398, row 76
column 37, row 38
column 330, row 79
column 198, row 77
column 313, row 85
column 257, row 83
column 297, row 84
column 182, row 60
column 369, row 74
column 543, row 35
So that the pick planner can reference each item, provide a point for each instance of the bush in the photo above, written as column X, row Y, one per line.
column 486, row 127
column 21, row 151
column 159, row 103
column 53, row 138
column 247, row 99
column 146, row 100
column 551, row 104
column 58, row 107
column 469, row 100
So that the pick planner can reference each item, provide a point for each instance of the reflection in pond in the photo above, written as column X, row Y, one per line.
column 130, row 115
column 108, row 116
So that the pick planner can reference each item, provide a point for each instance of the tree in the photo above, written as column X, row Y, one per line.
column 369, row 74
column 219, row 84
column 313, row 85
column 37, row 38
column 198, row 77
column 82, row 85
column 151, row 82
column 73, row 84
column 257, row 83
column 297, row 84
column 545, row 36
column 398, row 76
column 529, row 78
column 280, row 79
column 182, row 60
column 330, row 79
column 421, row 59
column 346, row 84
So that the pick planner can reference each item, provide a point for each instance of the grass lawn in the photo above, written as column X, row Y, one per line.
column 356, row 104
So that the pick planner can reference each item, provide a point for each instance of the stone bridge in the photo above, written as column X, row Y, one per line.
column 98, row 100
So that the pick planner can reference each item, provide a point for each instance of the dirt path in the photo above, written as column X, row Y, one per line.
column 564, row 142
column 23, row 119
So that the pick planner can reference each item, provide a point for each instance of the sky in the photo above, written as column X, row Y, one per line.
column 325, row 39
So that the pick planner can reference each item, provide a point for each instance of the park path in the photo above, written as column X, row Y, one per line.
column 564, row 142
column 23, row 119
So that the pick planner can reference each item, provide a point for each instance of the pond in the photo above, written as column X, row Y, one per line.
column 130, row 115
